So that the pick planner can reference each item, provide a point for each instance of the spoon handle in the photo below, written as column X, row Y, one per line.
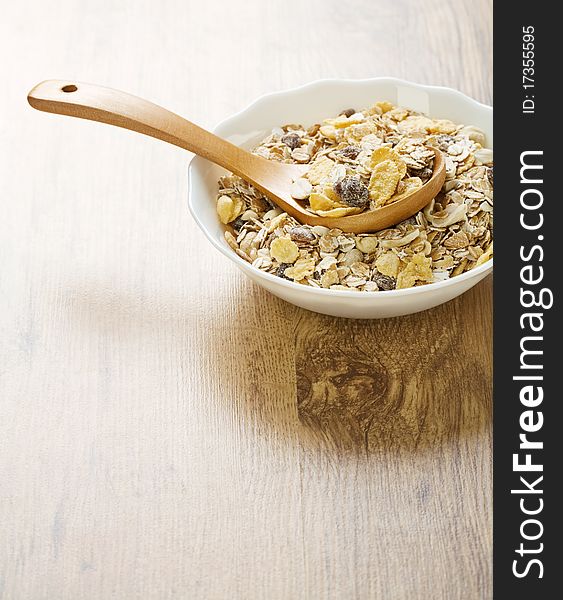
column 106, row 105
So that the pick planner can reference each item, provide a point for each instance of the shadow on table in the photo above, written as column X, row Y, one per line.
column 410, row 384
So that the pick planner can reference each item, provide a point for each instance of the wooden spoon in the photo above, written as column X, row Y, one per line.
column 272, row 178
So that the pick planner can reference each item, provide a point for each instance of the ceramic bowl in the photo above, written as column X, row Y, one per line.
column 309, row 104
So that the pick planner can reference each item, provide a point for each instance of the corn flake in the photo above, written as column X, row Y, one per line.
column 383, row 182
column 419, row 268
column 321, row 202
column 302, row 269
column 339, row 212
column 320, row 170
column 405, row 188
column 388, row 264
column 386, row 153
column 284, row 250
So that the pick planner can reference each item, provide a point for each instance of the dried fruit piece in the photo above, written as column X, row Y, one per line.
column 238, row 224
column 348, row 112
column 383, row 182
column 350, row 152
column 282, row 269
column 284, row 250
column 490, row 175
column 443, row 142
column 302, row 235
column 423, row 174
column 292, row 140
column 352, row 191
column 384, row 282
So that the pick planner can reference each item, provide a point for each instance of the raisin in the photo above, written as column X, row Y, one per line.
column 292, row 140
column 281, row 270
column 352, row 191
column 490, row 175
column 269, row 204
column 350, row 152
column 238, row 224
column 348, row 112
column 425, row 173
column 384, row 282
column 301, row 235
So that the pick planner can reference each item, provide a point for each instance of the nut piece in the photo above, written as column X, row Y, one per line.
column 301, row 189
column 284, row 250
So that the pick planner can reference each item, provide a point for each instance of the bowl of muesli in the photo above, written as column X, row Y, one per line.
column 365, row 144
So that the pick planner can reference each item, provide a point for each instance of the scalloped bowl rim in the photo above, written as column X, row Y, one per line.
column 428, row 288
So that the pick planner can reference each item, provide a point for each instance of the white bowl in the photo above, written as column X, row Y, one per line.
column 308, row 104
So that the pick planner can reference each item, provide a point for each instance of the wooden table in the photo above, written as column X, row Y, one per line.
column 168, row 429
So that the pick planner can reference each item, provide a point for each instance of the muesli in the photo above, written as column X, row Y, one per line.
column 361, row 160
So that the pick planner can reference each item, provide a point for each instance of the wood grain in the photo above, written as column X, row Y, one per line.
column 169, row 430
